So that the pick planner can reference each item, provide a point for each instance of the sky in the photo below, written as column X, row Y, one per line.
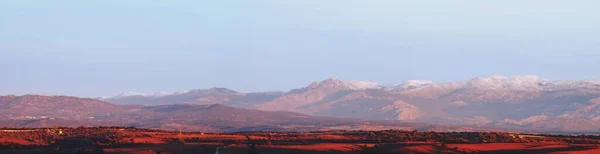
column 97, row 48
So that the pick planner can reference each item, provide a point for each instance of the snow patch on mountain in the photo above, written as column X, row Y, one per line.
column 160, row 94
column 417, row 83
column 363, row 84
column 565, row 85
column 408, row 85
column 530, row 82
column 133, row 93
column 181, row 92
column 522, row 82
column 339, row 83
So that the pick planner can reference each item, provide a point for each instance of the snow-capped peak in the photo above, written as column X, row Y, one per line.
column 529, row 79
column 417, row 83
column 123, row 94
column 562, row 85
column 409, row 85
column 162, row 93
column 339, row 83
column 497, row 77
column 133, row 93
column 181, row 92
column 363, row 84
column 521, row 82
column 105, row 97
column 525, row 78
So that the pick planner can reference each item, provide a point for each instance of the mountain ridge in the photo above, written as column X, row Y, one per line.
column 487, row 101
column 509, row 81
column 187, row 117
column 525, row 101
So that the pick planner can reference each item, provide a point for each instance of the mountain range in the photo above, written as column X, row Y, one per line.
column 523, row 102
column 48, row 111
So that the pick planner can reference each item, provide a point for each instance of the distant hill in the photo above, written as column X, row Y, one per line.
column 63, row 107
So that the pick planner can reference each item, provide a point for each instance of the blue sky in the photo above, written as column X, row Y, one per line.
column 85, row 48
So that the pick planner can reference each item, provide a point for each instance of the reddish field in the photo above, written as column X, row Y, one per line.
column 391, row 148
column 524, row 147
column 136, row 141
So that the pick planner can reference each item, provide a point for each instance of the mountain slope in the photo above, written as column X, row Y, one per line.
column 65, row 107
column 314, row 93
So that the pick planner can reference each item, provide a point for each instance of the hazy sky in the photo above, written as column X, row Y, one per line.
column 86, row 48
